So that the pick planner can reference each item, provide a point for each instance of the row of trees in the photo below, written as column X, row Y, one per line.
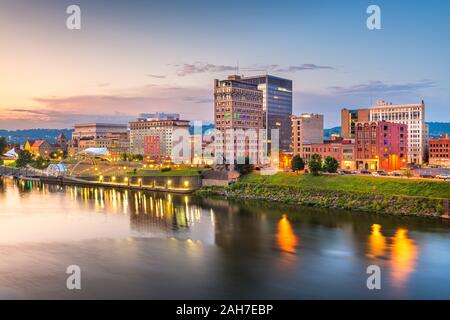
column 131, row 157
column 315, row 164
column 26, row 158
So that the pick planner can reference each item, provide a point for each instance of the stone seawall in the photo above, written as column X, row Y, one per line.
column 358, row 201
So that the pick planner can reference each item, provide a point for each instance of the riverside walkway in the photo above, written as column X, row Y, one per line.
column 30, row 174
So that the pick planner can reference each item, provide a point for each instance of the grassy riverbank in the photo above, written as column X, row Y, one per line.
column 371, row 194
column 377, row 185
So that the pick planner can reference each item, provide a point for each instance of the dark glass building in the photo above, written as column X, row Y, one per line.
column 277, row 106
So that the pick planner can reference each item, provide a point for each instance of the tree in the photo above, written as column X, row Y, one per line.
column 25, row 158
column 409, row 173
column 3, row 144
column 315, row 164
column 41, row 163
column 331, row 165
column 297, row 163
column 244, row 168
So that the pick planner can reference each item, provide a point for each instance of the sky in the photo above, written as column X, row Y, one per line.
column 146, row 56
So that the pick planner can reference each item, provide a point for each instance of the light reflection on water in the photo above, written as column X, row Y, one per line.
column 155, row 245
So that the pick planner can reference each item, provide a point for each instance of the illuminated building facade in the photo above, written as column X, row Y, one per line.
column 381, row 145
column 238, row 105
column 439, row 152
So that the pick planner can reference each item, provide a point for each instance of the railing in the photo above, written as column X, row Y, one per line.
column 26, row 171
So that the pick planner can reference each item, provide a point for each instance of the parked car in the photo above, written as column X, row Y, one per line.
column 443, row 176
column 397, row 174
column 382, row 173
column 363, row 171
column 375, row 174
column 426, row 175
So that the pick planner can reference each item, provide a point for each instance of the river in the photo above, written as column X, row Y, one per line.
column 134, row 245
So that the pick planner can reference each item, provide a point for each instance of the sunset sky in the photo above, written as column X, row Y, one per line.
column 146, row 56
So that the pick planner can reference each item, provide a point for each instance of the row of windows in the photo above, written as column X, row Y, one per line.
column 439, row 145
column 440, row 155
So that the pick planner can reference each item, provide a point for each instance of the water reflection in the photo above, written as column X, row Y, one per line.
column 286, row 238
column 403, row 260
column 401, row 251
column 182, row 246
column 377, row 242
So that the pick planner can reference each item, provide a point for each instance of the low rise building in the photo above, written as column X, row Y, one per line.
column 115, row 137
column 343, row 151
column 439, row 151
column 41, row 148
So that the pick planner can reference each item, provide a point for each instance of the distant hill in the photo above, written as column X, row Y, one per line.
column 20, row 136
column 438, row 128
column 328, row 132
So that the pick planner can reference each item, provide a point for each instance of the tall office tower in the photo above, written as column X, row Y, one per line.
column 348, row 120
column 413, row 115
column 306, row 129
column 237, row 105
column 152, row 137
column 277, row 106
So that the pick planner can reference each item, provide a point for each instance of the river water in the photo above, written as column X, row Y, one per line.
column 166, row 246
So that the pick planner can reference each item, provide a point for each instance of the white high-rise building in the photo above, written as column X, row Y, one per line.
column 413, row 115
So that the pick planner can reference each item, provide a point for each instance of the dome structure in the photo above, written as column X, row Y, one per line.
column 57, row 169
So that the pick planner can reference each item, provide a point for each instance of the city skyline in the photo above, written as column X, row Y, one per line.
column 142, row 58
